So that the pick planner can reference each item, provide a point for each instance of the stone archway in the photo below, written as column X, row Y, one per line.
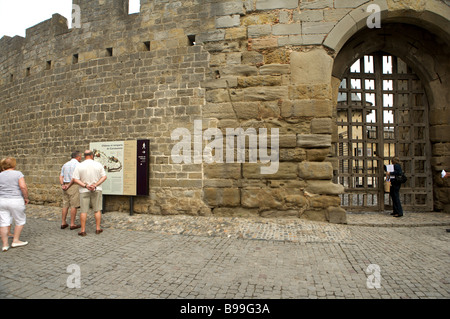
column 427, row 54
column 431, row 14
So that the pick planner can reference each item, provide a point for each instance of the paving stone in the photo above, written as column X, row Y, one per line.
column 157, row 257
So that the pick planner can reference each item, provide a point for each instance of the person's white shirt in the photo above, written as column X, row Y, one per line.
column 89, row 172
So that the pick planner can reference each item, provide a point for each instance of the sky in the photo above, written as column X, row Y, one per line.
column 18, row 15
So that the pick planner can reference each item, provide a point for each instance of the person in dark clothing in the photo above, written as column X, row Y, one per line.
column 395, row 187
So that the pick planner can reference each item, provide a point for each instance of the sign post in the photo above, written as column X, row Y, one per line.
column 126, row 164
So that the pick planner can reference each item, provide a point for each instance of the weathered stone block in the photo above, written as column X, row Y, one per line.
column 440, row 162
column 316, row 4
column 223, row 96
column 317, row 155
column 259, row 19
column 230, row 197
column 246, row 110
column 258, row 44
column 290, row 40
column 276, row 4
column 440, row 133
column 336, row 215
column 316, row 170
column 313, row 140
column 265, row 93
column 319, row 215
column 441, row 149
column 216, row 35
column 223, row 171
column 312, row 67
column 227, row 8
column 221, row 83
column 228, row 21
column 219, row 110
column 257, row 198
column 321, row 126
column 308, row 15
column 280, row 55
column 236, row 33
column 288, row 140
column 258, row 31
column 439, row 116
column 252, row 57
column 287, row 29
column 317, row 27
column 324, row 187
column 270, row 109
column 348, row 3
column 259, row 81
column 310, row 91
column 279, row 198
column 274, row 69
column 284, row 17
column 286, row 170
column 292, row 154
column 241, row 70
column 310, row 39
column 324, row 201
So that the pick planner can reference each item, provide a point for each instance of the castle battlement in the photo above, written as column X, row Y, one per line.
column 104, row 29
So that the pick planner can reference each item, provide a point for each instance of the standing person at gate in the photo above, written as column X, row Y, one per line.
column 70, row 191
column 90, row 175
column 395, row 187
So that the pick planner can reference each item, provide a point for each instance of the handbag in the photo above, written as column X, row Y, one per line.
column 387, row 186
column 402, row 178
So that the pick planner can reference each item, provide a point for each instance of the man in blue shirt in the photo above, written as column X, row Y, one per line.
column 70, row 191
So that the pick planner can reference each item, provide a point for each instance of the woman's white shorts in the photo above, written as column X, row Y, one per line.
column 12, row 208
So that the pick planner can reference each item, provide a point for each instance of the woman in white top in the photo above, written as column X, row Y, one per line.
column 13, row 198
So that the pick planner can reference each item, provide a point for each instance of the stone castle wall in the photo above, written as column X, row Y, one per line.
column 255, row 64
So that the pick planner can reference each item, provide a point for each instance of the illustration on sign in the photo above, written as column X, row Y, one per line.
column 110, row 163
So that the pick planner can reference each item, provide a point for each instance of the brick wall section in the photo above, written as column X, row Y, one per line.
column 60, row 89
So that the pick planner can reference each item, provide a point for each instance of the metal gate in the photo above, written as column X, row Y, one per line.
column 382, row 112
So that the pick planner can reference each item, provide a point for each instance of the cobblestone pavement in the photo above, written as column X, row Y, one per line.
column 167, row 257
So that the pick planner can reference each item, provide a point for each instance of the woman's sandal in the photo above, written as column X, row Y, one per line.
column 22, row 243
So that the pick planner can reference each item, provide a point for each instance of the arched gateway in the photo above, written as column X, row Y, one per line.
column 382, row 112
column 391, row 101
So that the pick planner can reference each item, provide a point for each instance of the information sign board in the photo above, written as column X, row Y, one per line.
column 126, row 165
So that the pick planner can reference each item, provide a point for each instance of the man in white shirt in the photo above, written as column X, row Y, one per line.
column 90, row 175
column 70, row 192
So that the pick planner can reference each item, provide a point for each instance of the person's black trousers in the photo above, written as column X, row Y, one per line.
column 395, row 195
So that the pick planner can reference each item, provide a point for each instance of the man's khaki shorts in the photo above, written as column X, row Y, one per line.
column 91, row 199
column 71, row 197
